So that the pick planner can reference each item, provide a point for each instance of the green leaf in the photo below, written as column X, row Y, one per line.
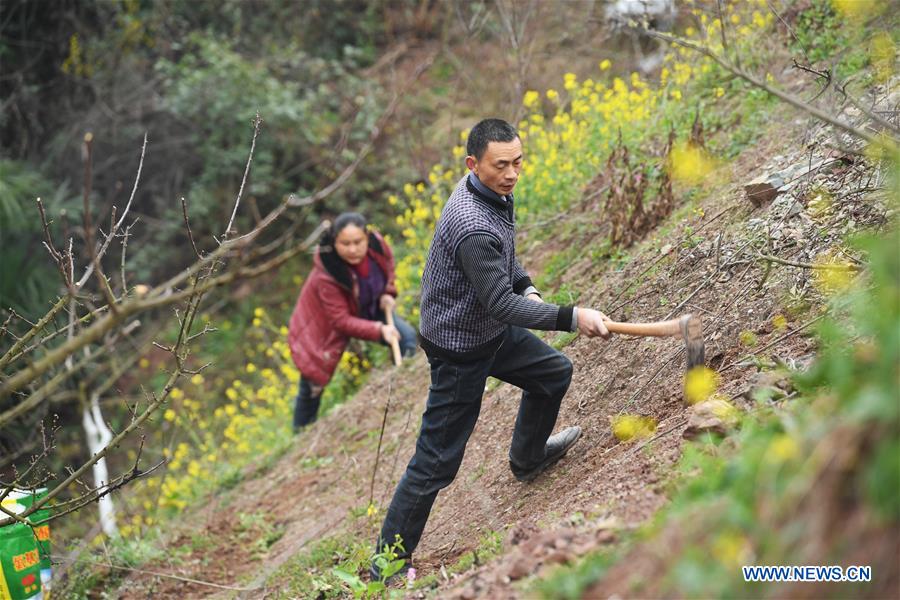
column 351, row 579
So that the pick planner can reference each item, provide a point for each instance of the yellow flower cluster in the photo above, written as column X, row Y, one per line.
column 214, row 439
column 566, row 148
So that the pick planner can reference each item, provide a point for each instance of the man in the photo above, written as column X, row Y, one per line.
column 477, row 306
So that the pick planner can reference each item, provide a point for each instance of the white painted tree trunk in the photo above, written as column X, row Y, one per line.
column 98, row 436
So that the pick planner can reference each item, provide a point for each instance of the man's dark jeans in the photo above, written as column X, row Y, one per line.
column 309, row 396
column 454, row 402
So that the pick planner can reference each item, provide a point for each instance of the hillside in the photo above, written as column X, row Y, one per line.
column 309, row 507
column 693, row 190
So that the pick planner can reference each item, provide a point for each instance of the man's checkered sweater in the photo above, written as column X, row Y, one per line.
column 472, row 283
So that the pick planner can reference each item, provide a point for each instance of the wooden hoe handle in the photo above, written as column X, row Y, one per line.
column 668, row 328
column 395, row 346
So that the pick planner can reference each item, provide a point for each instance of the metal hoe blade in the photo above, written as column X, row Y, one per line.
column 692, row 331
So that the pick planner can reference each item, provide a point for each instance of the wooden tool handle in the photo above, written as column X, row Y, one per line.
column 395, row 346
column 658, row 329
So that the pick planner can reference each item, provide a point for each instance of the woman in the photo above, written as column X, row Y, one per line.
column 347, row 295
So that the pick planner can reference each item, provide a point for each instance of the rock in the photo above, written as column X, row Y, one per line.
column 561, row 543
column 716, row 415
column 559, row 557
column 605, row 536
column 521, row 567
column 794, row 210
column 467, row 594
column 763, row 189
column 768, row 385
column 519, row 533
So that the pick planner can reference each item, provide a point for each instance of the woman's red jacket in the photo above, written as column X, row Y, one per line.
column 326, row 315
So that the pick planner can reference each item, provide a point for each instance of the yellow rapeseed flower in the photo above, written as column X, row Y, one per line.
column 731, row 548
column 629, row 427
column 857, row 10
column 169, row 415
column 176, row 394
column 531, row 99
column 832, row 276
column 782, row 449
column 699, row 384
column 779, row 322
column 882, row 56
column 689, row 164
column 605, row 64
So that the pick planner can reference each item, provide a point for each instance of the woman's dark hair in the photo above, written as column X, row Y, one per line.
column 487, row 131
column 346, row 219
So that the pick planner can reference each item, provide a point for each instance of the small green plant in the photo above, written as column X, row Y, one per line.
column 691, row 239
column 257, row 530
column 387, row 562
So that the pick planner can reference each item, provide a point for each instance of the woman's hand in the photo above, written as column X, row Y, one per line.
column 389, row 334
column 387, row 303
column 534, row 297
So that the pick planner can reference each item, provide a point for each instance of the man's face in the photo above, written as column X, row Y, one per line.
column 499, row 166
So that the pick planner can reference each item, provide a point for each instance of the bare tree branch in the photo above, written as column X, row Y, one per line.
column 103, row 283
column 187, row 225
column 39, row 326
column 89, row 269
column 257, row 122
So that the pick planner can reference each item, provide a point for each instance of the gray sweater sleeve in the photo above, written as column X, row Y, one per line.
column 481, row 260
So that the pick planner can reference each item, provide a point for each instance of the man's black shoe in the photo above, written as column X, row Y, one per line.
column 556, row 448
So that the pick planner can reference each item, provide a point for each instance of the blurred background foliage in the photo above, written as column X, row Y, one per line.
column 192, row 75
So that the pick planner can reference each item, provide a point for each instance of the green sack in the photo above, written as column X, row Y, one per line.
column 20, row 562
column 26, row 499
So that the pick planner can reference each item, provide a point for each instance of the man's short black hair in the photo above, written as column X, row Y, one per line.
column 487, row 131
